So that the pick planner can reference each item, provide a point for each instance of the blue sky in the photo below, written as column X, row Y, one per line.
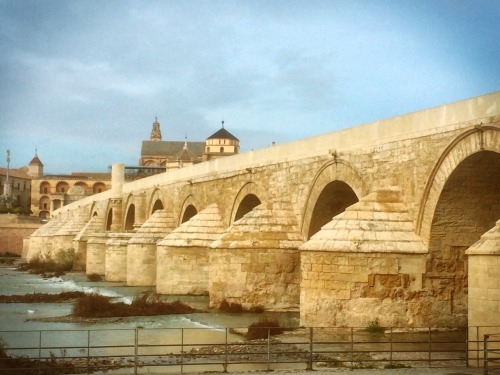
column 82, row 81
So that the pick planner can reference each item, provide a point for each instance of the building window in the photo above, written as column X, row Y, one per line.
column 221, row 150
column 45, row 206
column 208, row 149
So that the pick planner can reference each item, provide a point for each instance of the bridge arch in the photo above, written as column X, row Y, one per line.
column 336, row 186
column 155, row 202
column 460, row 203
column 130, row 217
column 188, row 210
column 480, row 138
column 246, row 200
column 130, row 211
column 109, row 219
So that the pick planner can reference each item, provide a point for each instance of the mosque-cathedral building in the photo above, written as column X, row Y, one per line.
column 45, row 193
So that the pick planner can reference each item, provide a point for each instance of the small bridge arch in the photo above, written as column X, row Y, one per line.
column 336, row 186
column 246, row 200
column 188, row 209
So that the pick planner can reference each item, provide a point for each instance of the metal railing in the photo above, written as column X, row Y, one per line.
column 176, row 350
column 492, row 354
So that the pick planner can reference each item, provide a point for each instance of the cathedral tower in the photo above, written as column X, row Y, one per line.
column 156, row 132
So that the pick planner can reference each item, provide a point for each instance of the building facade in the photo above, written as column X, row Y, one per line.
column 178, row 154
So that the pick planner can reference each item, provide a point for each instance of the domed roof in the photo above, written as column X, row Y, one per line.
column 223, row 134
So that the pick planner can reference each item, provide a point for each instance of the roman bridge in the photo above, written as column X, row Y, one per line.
column 396, row 220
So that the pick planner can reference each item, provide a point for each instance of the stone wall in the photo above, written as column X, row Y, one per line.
column 255, row 277
column 13, row 229
column 340, row 289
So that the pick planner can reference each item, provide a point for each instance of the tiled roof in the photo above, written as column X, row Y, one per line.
column 223, row 134
column 170, row 148
column 35, row 161
column 15, row 173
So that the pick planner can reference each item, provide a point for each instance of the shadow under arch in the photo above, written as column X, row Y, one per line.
column 459, row 204
column 130, row 217
column 188, row 210
column 156, row 202
column 336, row 186
column 246, row 200
column 472, row 141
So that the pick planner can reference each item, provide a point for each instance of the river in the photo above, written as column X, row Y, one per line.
column 21, row 322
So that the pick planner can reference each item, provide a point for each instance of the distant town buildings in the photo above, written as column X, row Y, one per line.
column 42, row 194
column 178, row 154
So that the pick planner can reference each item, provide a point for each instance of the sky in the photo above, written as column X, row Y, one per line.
column 82, row 81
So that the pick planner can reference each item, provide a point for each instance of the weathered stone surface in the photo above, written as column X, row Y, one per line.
column 141, row 249
column 41, row 242
column 367, row 260
column 256, row 262
column 484, row 279
column 183, row 254
column 96, row 253
column 94, row 225
column 115, row 264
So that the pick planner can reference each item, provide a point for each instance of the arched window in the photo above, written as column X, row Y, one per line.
column 221, row 150
column 44, row 187
column 62, row 187
column 98, row 187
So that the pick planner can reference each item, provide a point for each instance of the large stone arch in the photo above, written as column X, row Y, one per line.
column 480, row 138
column 248, row 195
column 335, row 170
column 460, row 203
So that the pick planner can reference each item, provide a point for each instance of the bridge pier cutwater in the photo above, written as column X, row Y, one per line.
column 371, row 222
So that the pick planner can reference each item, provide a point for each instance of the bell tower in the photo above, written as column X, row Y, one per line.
column 35, row 167
column 156, row 132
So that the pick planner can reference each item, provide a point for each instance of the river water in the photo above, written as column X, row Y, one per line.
column 20, row 323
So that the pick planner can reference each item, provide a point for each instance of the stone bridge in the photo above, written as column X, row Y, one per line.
column 396, row 220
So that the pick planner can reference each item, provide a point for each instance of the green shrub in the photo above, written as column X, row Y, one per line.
column 50, row 265
column 235, row 307
column 148, row 304
column 94, row 277
column 226, row 306
column 374, row 327
column 263, row 328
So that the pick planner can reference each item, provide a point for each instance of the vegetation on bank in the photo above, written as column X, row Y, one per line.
column 8, row 258
column 94, row 277
column 233, row 307
column 11, row 205
column 42, row 297
column 148, row 304
column 264, row 328
column 50, row 265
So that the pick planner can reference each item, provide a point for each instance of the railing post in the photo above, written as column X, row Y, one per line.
column 269, row 349
column 477, row 346
column 310, row 362
column 430, row 347
column 225, row 354
column 390, row 355
column 352, row 348
column 485, row 355
column 182, row 350
column 40, row 350
column 136, row 342
column 88, row 352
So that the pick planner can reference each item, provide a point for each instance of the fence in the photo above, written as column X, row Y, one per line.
column 177, row 350
column 491, row 354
